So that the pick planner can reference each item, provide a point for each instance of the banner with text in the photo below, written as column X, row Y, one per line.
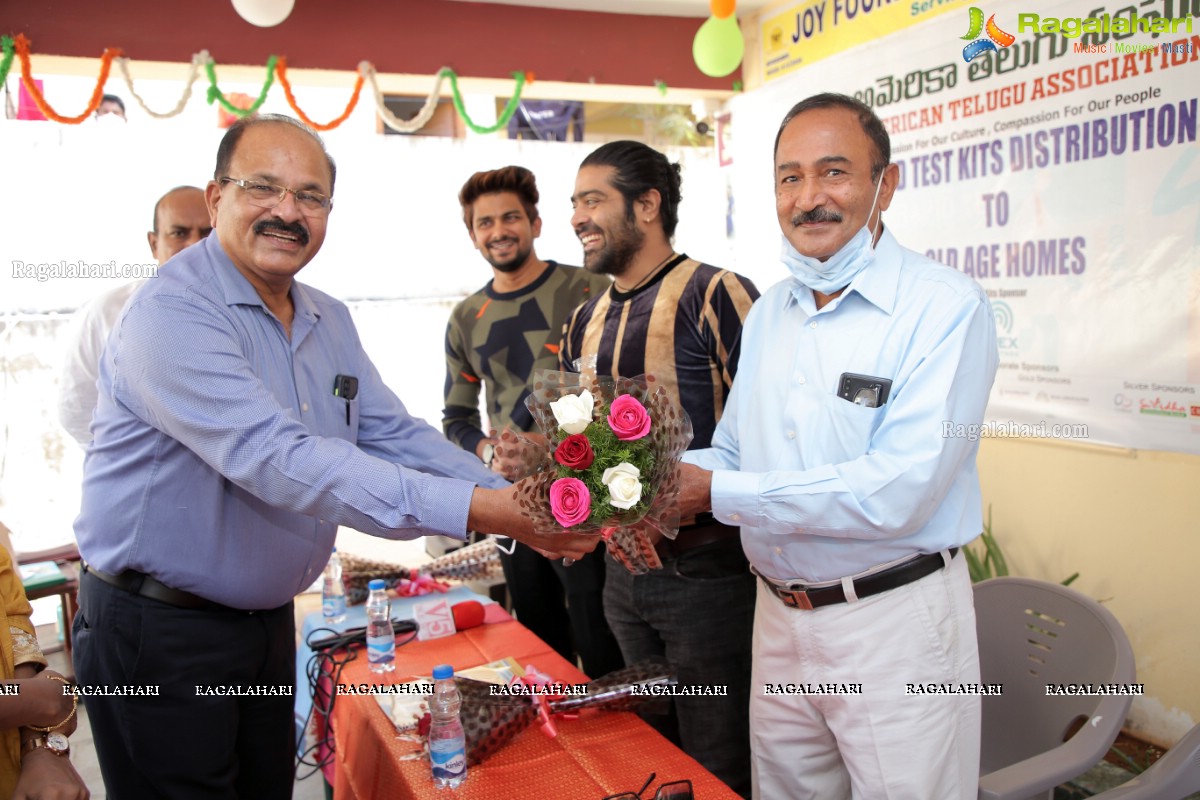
column 1049, row 150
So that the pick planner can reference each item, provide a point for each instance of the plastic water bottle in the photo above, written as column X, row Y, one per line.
column 381, row 637
column 447, row 742
column 333, row 592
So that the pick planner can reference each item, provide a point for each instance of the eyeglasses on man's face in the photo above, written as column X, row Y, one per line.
column 269, row 195
column 675, row 790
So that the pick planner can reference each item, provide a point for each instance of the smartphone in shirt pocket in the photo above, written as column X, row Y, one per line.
column 864, row 390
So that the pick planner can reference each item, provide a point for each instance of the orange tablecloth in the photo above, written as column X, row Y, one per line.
column 599, row 754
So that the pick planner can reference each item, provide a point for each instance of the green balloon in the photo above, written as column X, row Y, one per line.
column 718, row 47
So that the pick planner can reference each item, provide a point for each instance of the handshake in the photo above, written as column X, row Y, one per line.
column 605, row 466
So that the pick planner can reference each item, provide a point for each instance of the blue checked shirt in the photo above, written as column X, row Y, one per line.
column 222, row 462
column 823, row 488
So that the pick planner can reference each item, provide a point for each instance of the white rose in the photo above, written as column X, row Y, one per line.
column 573, row 411
column 624, row 488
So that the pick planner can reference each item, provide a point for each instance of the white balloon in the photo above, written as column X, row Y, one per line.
column 264, row 13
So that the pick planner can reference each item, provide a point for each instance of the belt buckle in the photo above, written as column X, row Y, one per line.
column 793, row 599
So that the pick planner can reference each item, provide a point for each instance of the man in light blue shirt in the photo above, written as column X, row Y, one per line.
column 833, row 457
column 239, row 424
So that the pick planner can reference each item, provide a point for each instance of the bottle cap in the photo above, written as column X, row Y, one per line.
column 378, row 583
column 443, row 671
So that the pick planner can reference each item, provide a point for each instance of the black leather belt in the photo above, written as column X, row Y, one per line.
column 797, row 595
column 705, row 530
column 143, row 585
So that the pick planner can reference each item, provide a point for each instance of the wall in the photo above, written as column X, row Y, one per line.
column 1126, row 520
column 396, row 244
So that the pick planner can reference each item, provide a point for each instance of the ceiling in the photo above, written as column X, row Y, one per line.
column 660, row 8
column 557, row 41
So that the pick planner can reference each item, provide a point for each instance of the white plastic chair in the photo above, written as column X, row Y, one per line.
column 1031, row 634
column 1172, row 777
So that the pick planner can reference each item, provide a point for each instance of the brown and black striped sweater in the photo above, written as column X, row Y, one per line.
column 684, row 327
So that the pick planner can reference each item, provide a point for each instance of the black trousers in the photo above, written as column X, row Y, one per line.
column 190, row 741
column 564, row 606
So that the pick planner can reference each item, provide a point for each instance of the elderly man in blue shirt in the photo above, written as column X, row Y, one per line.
column 239, row 424
column 853, row 503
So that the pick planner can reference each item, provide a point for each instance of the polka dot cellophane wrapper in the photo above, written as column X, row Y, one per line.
column 490, row 721
column 627, row 534
column 358, row 572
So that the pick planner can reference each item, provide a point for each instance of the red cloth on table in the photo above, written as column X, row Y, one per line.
column 599, row 754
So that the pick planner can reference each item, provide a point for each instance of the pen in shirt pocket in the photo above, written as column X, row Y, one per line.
column 346, row 386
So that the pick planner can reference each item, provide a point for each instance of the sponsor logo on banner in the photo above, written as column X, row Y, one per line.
column 1003, row 314
column 1123, row 404
column 1159, row 408
column 1196, row 411
column 992, row 42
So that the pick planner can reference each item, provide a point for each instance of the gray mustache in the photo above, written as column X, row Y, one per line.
column 816, row 215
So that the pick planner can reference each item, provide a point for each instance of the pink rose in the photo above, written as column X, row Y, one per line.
column 574, row 452
column 628, row 418
column 570, row 501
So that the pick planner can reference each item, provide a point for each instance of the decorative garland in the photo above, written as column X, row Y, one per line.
column 420, row 119
column 6, row 43
column 510, row 107
column 215, row 93
column 281, row 68
column 276, row 65
column 22, row 47
column 199, row 58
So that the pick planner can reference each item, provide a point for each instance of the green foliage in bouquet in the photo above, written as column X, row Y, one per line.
column 609, row 451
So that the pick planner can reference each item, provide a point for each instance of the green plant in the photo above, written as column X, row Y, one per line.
column 1138, row 762
column 992, row 563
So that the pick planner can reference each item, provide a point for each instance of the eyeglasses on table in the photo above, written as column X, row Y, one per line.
column 675, row 790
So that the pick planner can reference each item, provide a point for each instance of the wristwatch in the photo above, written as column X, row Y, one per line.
column 489, row 452
column 54, row 742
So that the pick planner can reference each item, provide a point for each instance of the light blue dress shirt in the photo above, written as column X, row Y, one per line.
column 222, row 463
column 823, row 488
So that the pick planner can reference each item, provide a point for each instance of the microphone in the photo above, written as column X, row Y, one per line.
column 467, row 614
column 355, row 635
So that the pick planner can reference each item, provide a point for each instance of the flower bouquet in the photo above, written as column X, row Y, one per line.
column 609, row 468
column 493, row 716
column 476, row 562
column 358, row 571
column 490, row 720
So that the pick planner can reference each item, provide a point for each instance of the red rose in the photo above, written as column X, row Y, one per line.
column 574, row 452
column 628, row 418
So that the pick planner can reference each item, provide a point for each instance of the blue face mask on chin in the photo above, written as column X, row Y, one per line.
column 835, row 272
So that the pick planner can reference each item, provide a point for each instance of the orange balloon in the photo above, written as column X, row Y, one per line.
column 722, row 8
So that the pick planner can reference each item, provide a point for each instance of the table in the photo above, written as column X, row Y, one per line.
column 599, row 754
column 356, row 617
column 68, row 593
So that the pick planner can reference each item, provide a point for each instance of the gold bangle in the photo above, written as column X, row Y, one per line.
column 74, row 707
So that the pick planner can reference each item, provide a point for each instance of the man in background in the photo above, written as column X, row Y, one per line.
column 180, row 219
column 497, row 338
column 680, row 320
column 111, row 104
